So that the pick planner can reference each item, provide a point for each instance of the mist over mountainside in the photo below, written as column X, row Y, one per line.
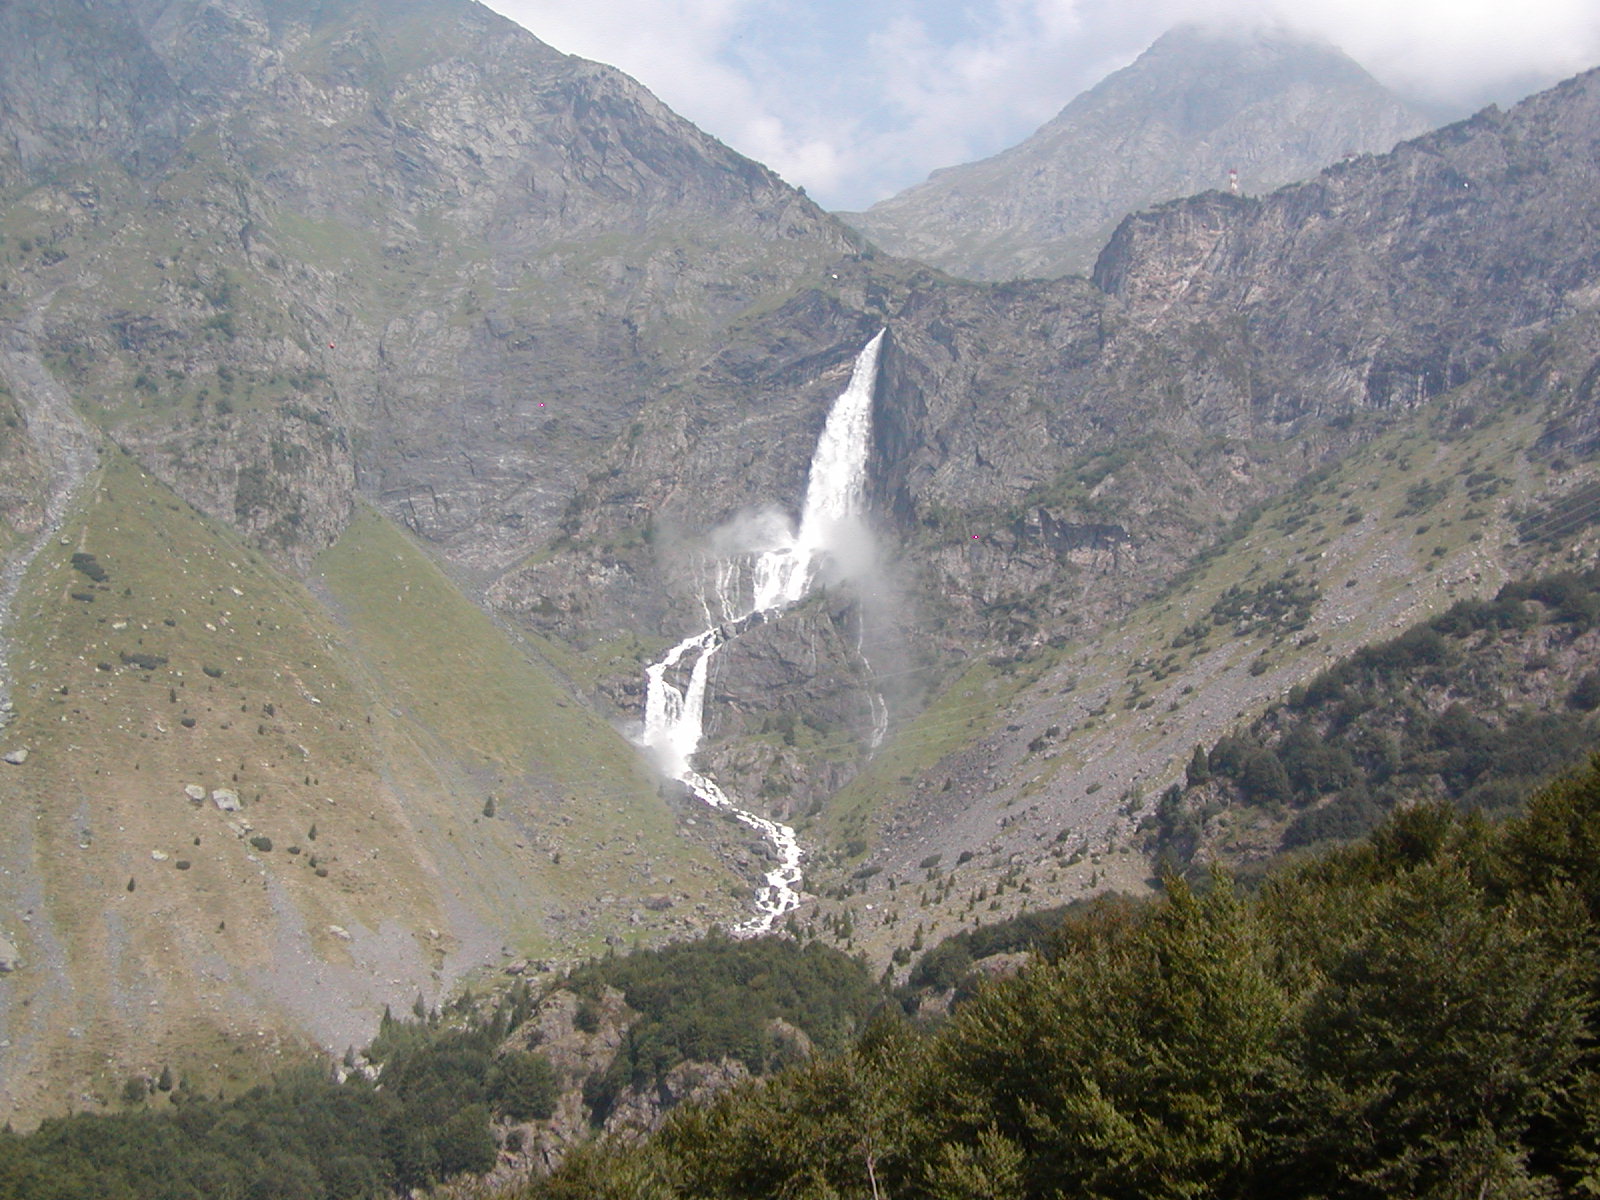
column 383, row 390
column 1199, row 104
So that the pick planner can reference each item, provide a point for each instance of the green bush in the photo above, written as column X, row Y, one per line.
column 1369, row 734
column 716, row 999
column 85, row 564
column 524, row 1087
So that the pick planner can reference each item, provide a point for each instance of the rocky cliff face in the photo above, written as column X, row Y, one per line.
column 1048, row 455
column 1399, row 276
column 468, row 256
column 1196, row 105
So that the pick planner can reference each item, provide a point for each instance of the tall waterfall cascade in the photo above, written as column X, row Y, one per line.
column 780, row 574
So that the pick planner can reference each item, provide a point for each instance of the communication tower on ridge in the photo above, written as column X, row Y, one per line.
column 1233, row 180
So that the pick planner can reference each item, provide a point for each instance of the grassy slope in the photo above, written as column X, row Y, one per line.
column 222, row 967
column 471, row 714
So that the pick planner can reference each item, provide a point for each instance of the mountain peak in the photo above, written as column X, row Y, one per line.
column 1263, row 100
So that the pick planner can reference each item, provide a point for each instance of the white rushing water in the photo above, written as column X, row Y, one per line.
column 781, row 573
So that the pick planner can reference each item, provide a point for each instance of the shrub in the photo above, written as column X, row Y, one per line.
column 1585, row 696
column 85, row 564
column 1347, row 816
column 524, row 1087
column 587, row 1017
column 464, row 1144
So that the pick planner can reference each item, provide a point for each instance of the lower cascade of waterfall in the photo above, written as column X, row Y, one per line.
column 780, row 575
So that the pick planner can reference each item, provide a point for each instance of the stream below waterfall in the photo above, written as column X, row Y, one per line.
column 780, row 575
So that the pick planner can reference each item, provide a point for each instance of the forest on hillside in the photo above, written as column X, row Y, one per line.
column 1411, row 1015
column 437, row 1095
column 1476, row 706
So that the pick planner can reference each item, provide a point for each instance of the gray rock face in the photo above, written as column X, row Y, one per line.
column 1047, row 454
column 1392, row 279
column 640, row 1110
column 1194, row 106
column 448, row 285
column 83, row 89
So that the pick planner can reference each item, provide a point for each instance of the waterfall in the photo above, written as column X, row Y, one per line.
column 781, row 574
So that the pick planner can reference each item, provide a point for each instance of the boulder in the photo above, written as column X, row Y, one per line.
column 226, row 799
column 195, row 792
column 16, row 757
column 8, row 956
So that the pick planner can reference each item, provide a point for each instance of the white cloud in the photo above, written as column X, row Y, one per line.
column 670, row 45
column 1449, row 51
column 1459, row 50
column 951, row 101
column 854, row 101
column 678, row 48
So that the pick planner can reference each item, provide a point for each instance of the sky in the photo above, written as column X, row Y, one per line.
column 856, row 100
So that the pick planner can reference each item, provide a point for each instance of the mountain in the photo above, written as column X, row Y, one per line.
column 1362, row 395
column 1347, row 397
column 384, row 392
column 287, row 288
column 1198, row 104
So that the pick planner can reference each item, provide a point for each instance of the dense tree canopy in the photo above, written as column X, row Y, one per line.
column 1462, row 707
column 1412, row 1015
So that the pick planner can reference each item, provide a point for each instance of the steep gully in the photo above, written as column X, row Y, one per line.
column 70, row 451
column 71, row 455
column 756, row 586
